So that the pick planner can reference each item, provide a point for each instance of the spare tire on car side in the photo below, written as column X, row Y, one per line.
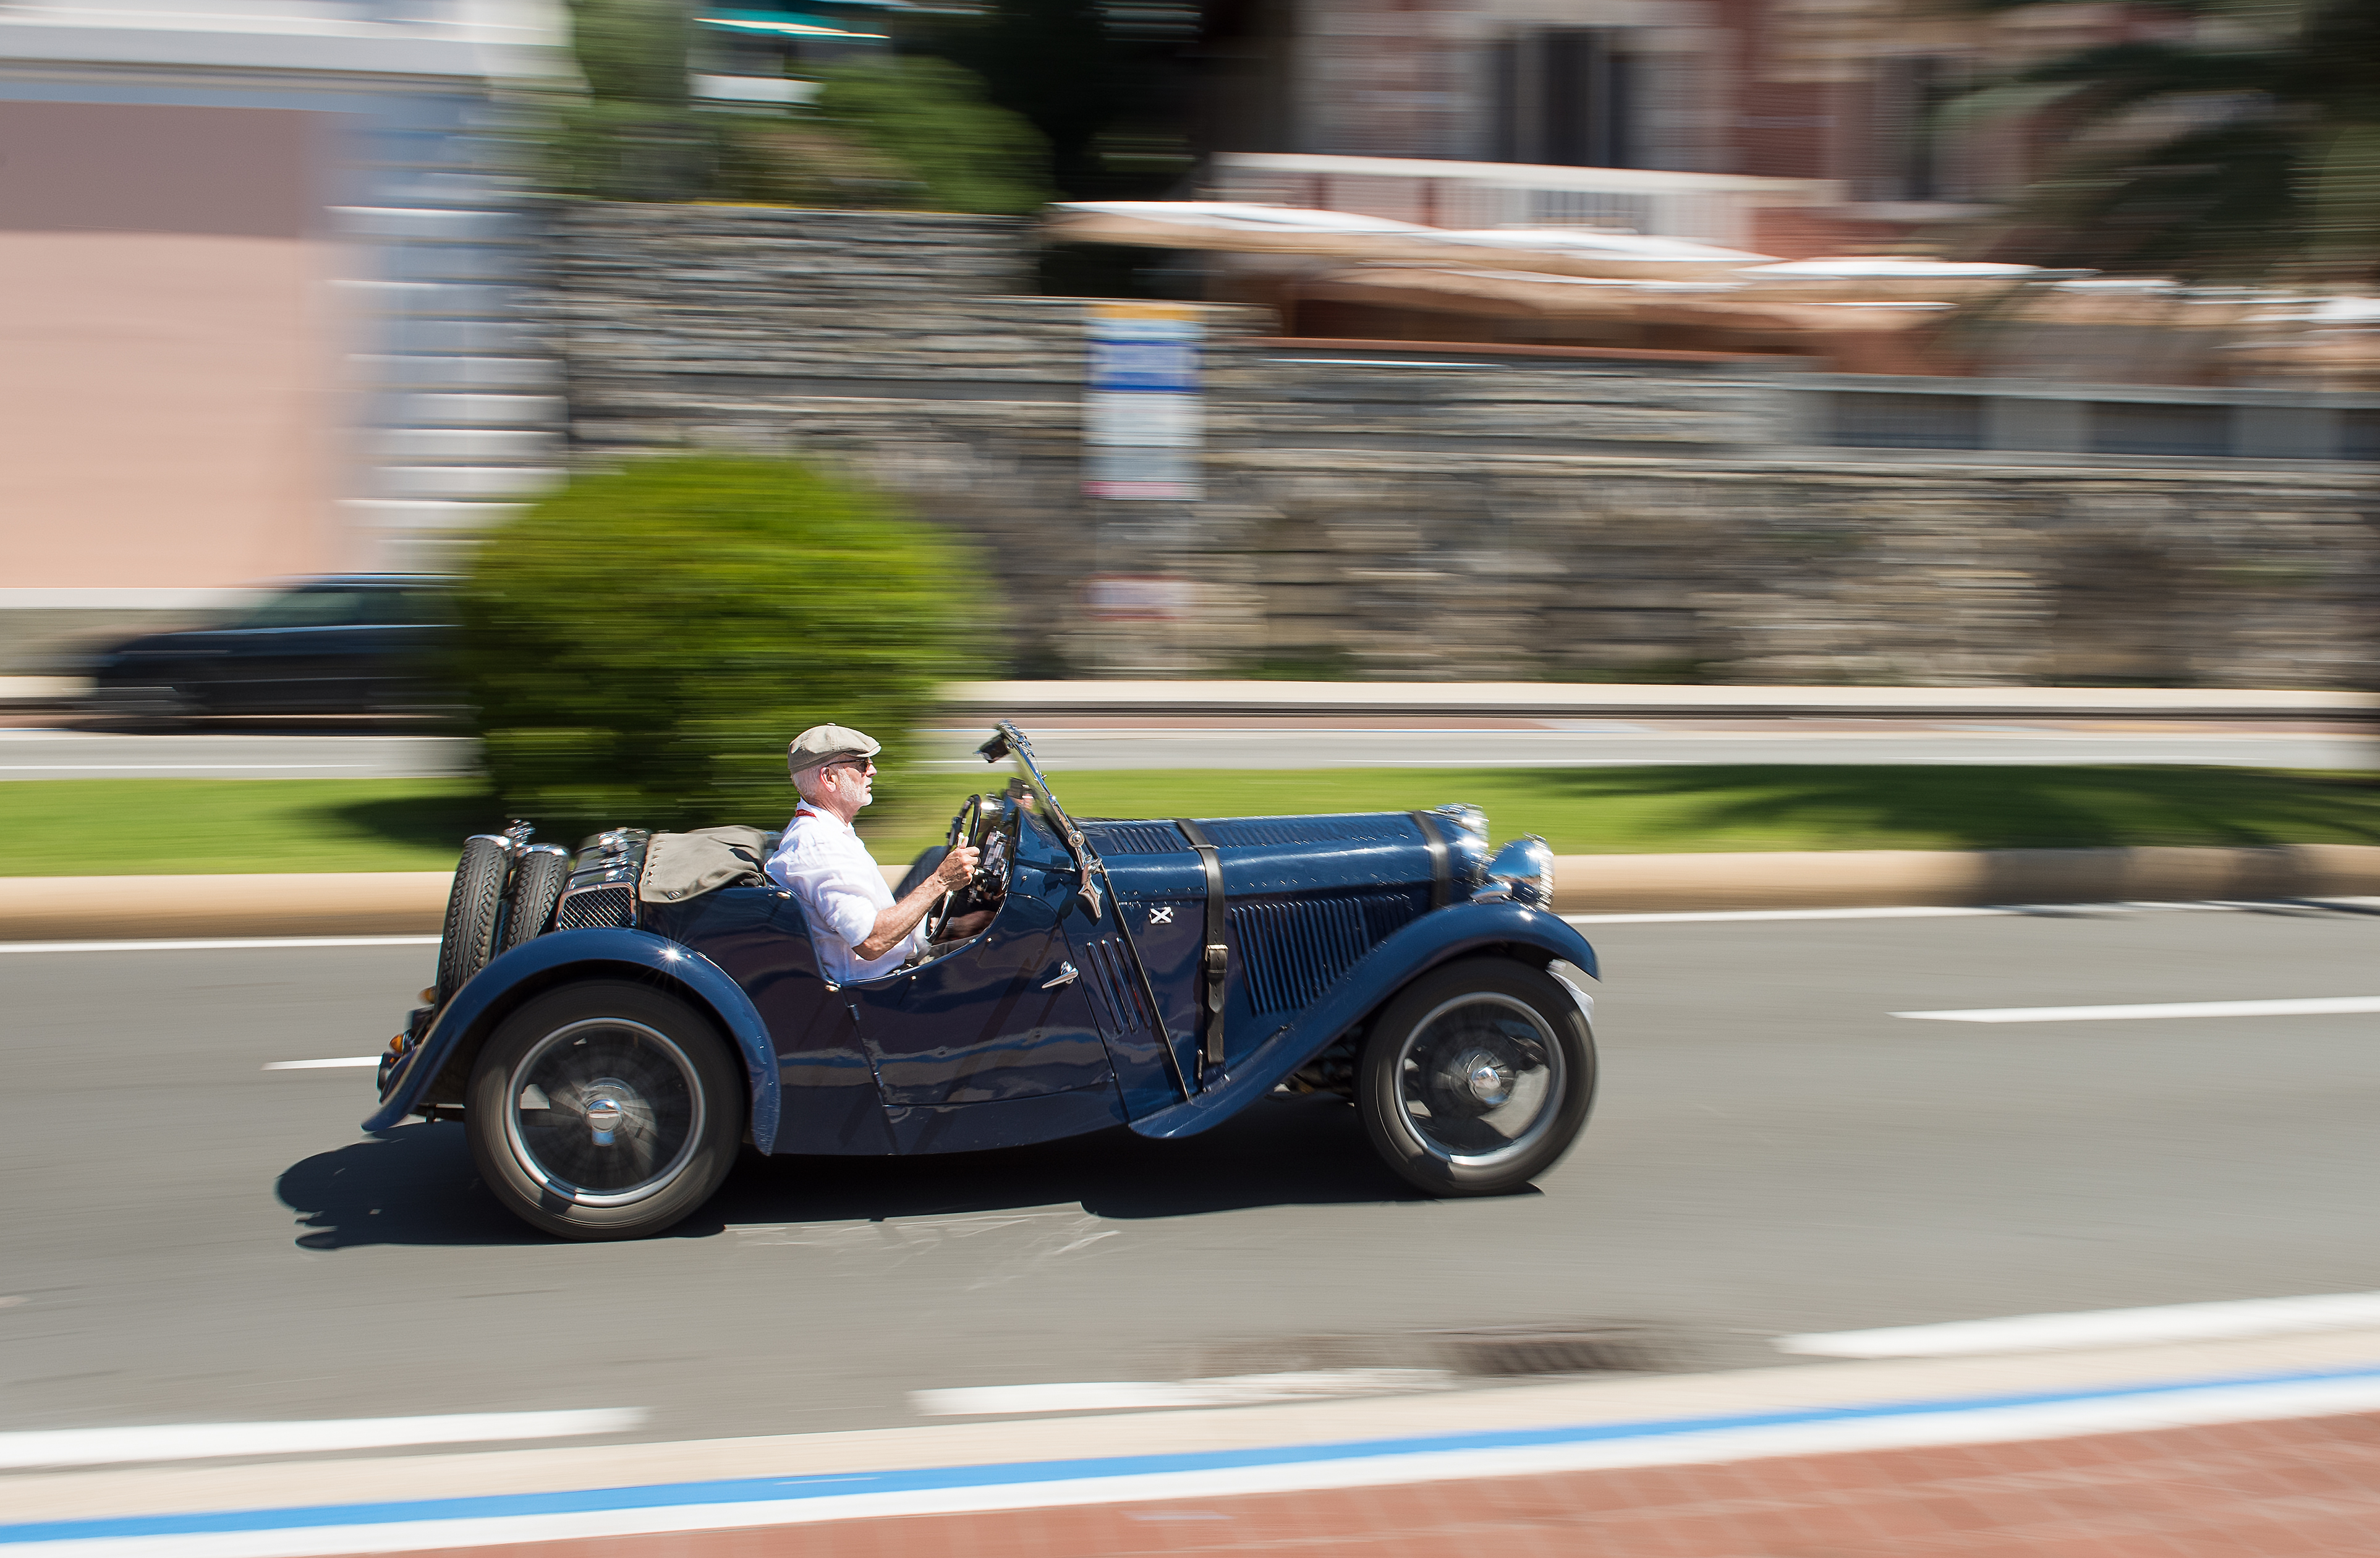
column 468, row 938
column 538, row 879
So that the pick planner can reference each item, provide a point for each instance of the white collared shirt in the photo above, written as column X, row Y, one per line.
column 822, row 862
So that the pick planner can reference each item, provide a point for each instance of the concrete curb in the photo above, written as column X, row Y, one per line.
column 414, row 903
column 60, row 908
column 1027, row 700
column 1895, row 878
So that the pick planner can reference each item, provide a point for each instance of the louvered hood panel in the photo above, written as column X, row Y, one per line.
column 1264, row 857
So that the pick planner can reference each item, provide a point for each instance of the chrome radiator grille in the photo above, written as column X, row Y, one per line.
column 585, row 908
column 1296, row 950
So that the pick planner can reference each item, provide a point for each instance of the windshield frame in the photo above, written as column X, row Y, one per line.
column 1042, row 802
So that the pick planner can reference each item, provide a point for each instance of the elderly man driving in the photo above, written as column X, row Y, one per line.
column 857, row 927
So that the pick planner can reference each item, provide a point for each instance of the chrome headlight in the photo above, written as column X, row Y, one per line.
column 1466, row 841
column 1523, row 871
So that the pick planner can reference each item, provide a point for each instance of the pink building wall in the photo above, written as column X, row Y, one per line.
column 168, row 364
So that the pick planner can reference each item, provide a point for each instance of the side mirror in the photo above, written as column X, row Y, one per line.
column 995, row 748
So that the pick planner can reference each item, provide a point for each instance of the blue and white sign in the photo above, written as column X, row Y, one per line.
column 1142, row 424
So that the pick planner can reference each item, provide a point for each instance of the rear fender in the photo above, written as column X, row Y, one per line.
column 564, row 956
column 1455, row 932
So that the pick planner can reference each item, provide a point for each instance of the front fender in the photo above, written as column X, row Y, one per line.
column 592, row 953
column 1435, row 938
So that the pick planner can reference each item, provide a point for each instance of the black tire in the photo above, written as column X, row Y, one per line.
column 537, row 1108
column 1476, row 1077
column 538, row 879
column 468, row 939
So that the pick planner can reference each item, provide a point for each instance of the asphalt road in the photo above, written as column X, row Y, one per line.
column 189, row 1237
column 71, row 754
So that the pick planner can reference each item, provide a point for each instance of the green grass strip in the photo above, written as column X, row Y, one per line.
column 102, row 827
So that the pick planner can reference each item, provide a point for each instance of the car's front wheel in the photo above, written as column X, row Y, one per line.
column 604, row 1111
column 1476, row 1077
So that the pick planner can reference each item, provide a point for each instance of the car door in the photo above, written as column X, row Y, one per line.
column 1002, row 1017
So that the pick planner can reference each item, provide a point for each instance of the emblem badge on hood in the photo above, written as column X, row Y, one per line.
column 1162, row 915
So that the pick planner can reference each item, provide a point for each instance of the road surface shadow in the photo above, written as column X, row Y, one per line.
column 415, row 1185
column 1279, row 1152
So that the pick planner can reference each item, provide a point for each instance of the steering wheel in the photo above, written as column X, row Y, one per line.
column 981, row 823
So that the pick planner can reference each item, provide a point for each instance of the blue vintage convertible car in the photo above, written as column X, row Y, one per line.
column 611, row 1025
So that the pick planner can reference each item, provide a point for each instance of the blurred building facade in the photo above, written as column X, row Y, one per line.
column 1846, row 90
column 260, row 281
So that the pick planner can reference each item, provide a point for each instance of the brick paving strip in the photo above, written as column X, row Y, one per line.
column 2253, row 1445
column 2305, row 1486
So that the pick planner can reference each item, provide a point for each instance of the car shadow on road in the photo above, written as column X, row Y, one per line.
column 1279, row 1152
column 415, row 1185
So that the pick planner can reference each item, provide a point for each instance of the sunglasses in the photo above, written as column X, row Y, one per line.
column 863, row 765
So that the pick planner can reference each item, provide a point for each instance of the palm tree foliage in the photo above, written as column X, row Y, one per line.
column 2224, row 139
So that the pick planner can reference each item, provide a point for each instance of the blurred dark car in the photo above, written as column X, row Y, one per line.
column 346, row 644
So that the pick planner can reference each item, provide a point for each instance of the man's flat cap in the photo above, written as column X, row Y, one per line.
column 825, row 743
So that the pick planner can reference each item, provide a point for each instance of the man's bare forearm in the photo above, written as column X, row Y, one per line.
column 894, row 925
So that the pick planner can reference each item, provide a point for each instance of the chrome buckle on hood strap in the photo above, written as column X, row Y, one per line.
column 1216, row 964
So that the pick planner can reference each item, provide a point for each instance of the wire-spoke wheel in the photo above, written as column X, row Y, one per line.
column 1476, row 1077
column 604, row 1111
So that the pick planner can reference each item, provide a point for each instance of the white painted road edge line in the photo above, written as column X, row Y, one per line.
column 1291, row 1469
column 195, row 1442
column 2099, row 1328
column 2315, row 1006
column 221, row 943
column 342, row 1062
column 1131, row 1395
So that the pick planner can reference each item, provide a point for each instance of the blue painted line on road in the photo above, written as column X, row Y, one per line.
column 943, row 1478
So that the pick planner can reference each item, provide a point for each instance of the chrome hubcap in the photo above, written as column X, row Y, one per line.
column 1489, row 1082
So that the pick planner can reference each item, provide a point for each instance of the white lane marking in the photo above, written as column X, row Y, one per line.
column 225, row 943
column 196, row 1442
column 2099, row 1328
column 320, row 1065
column 2315, row 1006
column 1938, row 911
column 1131, row 1395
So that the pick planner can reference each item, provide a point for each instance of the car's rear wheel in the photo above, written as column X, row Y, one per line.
column 1476, row 1077
column 468, row 939
column 604, row 1111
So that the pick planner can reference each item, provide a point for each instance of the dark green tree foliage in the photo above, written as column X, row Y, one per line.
column 2243, row 143
column 641, row 646
column 1111, row 86
column 931, row 118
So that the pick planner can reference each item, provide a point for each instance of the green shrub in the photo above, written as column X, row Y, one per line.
column 930, row 117
column 640, row 646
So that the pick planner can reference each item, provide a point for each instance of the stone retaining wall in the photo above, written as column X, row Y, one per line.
column 1480, row 519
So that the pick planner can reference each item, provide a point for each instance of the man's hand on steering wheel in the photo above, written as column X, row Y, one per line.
column 958, row 867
